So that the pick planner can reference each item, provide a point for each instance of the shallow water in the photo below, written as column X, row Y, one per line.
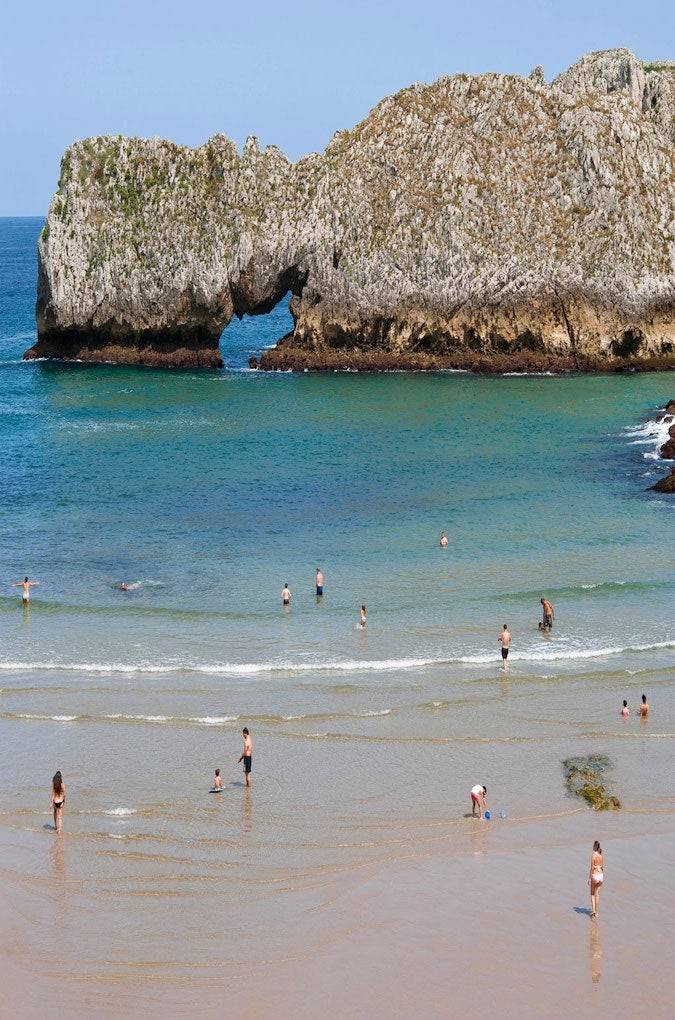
column 206, row 492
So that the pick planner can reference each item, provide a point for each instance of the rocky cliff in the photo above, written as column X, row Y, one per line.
column 492, row 221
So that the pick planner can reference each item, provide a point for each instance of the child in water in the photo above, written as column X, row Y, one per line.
column 625, row 711
column 217, row 782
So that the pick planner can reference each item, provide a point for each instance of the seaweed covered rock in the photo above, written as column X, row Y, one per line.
column 583, row 778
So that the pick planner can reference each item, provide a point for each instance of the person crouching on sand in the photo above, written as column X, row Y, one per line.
column 596, row 877
column 478, row 795
column 58, row 799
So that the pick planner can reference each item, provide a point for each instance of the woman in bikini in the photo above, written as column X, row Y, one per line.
column 596, row 877
column 58, row 799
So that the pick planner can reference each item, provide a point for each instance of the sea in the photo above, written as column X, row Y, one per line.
column 205, row 492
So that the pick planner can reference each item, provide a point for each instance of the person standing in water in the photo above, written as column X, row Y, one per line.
column 625, row 711
column 548, row 614
column 362, row 617
column 478, row 795
column 286, row 595
column 319, row 583
column 247, row 755
column 505, row 639
column 58, row 799
column 644, row 707
column 443, row 541
column 596, row 877
column 217, row 782
column 26, row 585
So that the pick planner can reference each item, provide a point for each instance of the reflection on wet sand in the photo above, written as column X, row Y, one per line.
column 595, row 952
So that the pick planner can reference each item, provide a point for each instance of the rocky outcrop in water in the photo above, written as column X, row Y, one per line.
column 474, row 222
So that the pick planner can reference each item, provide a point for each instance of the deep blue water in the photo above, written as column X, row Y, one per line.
column 207, row 491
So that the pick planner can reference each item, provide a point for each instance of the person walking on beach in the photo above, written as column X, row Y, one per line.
column 247, row 755
column 478, row 795
column 505, row 639
column 286, row 595
column 26, row 585
column 596, row 877
column 548, row 614
column 362, row 617
column 58, row 799
column 443, row 542
column 319, row 583
column 644, row 707
column 625, row 711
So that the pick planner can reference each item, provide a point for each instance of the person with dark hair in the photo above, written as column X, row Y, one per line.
column 644, row 707
column 247, row 755
column 548, row 613
column 505, row 639
column 596, row 877
column 625, row 711
column 58, row 799
column 319, row 583
column 26, row 585
column 286, row 595
column 362, row 617
column 478, row 795
column 217, row 782
column 443, row 541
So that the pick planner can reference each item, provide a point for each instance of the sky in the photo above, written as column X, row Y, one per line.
column 291, row 73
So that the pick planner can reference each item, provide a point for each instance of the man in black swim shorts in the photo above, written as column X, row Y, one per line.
column 505, row 639
column 247, row 755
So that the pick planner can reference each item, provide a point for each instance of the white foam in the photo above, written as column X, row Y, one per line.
column 384, row 711
column 54, row 718
column 213, row 720
column 120, row 811
column 651, row 433
column 340, row 666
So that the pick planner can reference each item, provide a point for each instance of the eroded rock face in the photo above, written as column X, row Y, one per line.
column 475, row 221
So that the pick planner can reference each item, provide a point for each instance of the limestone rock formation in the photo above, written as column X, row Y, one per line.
column 475, row 222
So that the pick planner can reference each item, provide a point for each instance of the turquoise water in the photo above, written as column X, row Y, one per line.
column 207, row 491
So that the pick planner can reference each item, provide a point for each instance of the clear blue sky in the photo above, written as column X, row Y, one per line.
column 291, row 72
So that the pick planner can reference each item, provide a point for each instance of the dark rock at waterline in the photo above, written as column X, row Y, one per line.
column 666, row 484
column 668, row 450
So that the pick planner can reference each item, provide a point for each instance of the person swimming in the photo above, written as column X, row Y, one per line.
column 596, row 877
column 58, row 799
column 124, row 586
column 26, row 585
column 644, row 707
column 625, row 711
column 443, row 541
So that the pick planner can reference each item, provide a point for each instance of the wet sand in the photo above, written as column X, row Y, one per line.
column 350, row 880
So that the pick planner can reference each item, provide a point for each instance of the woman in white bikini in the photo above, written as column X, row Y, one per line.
column 596, row 877
column 58, row 799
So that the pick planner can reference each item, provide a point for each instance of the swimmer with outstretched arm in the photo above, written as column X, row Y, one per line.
column 26, row 585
